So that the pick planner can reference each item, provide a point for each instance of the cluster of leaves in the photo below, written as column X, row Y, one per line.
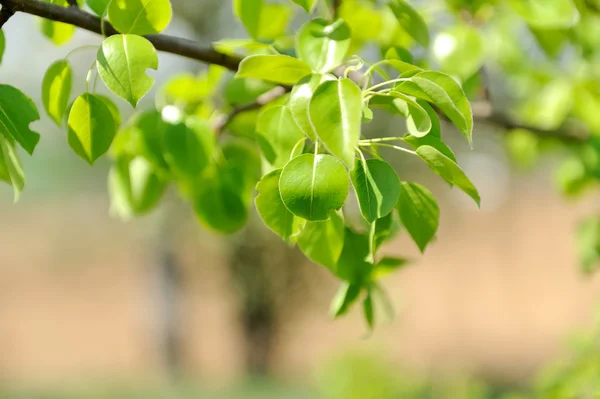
column 302, row 152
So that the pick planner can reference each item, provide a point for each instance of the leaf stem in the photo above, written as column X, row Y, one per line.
column 80, row 48
column 395, row 147
column 89, row 77
column 381, row 140
column 382, row 84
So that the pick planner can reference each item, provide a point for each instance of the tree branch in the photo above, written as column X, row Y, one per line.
column 84, row 20
column 5, row 14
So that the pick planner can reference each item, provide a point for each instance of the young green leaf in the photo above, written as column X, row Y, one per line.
column 139, row 17
column 98, row 6
column 419, row 213
column 218, row 203
column 547, row 14
column 58, row 32
column 377, row 187
column 430, row 140
column 418, row 121
column 275, row 19
column 344, row 298
column 444, row 92
column 122, row 64
column 448, row 170
column 243, row 165
column 352, row 266
column 249, row 13
column 322, row 242
column 281, row 69
column 322, row 45
column 386, row 266
column 313, row 186
column 91, row 127
column 459, row 50
column 335, row 111
column 410, row 21
column 278, row 131
column 56, row 90
column 11, row 170
column 148, row 130
column 271, row 209
column 113, row 109
column 17, row 111
column 308, row 5
column 2, row 45
column 134, row 187
column 188, row 146
column 300, row 99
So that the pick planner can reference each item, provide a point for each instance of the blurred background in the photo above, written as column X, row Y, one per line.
column 91, row 307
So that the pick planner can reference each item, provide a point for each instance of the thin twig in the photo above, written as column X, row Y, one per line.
column 261, row 101
column 84, row 20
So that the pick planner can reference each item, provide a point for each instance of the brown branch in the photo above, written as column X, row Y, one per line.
column 261, row 101
column 568, row 133
column 84, row 20
column 5, row 14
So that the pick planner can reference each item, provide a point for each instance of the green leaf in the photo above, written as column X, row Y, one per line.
column 459, row 50
column 98, row 6
column 56, row 90
column 322, row 45
column 386, row 266
column 448, row 170
column 322, row 242
column 411, row 21
column 308, row 5
column 419, row 213
column 547, row 14
column 11, row 170
column 368, row 310
column 432, row 141
column 188, row 146
column 134, row 187
column 17, row 111
column 2, row 45
column 148, row 130
column 313, row 186
column 249, row 12
column 352, row 266
column 418, row 121
column 139, row 17
column 278, row 131
column 91, row 127
column 377, row 187
column 122, row 64
column 346, row 295
column 274, row 21
column 58, row 32
column 218, row 203
column 588, row 244
column 335, row 111
column 300, row 100
column 444, row 92
column 281, row 69
column 271, row 209
column 243, row 164
column 113, row 110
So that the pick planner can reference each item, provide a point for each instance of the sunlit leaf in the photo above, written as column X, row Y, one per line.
column 419, row 213
column 17, row 112
column 188, row 146
column 58, row 32
column 459, row 50
column 122, row 64
column 308, row 5
column 377, row 187
column 278, row 131
column 335, row 112
column 98, row 6
column 313, row 186
column 300, row 99
column 547, row 14
column 271, row 209
column 344, row 298
column 411, row 21
column 11, row 170
column 273, row 68
column 322, row 242
column 249, row 12
column 448, row 170
column 322, row 45
column 56, row 90
column 2, row 45
column 140, row 17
